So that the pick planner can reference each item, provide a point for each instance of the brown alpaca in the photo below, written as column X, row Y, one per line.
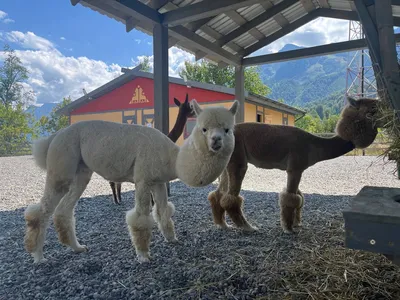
column 185, row 112
column 290, row 149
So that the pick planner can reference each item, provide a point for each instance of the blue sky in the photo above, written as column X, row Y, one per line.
column 67, row 48
column 86, row 32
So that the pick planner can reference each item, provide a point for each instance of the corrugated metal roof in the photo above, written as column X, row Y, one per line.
column 221, row 25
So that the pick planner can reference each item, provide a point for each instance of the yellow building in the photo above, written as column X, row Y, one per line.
column 130, row 99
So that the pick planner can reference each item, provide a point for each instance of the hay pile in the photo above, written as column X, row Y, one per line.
column 324, row 269
column 390, row 122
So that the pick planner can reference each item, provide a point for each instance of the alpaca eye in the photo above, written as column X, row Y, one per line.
column 226, row 130
column 204, row 130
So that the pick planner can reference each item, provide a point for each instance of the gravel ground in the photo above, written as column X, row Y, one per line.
column 207, row 264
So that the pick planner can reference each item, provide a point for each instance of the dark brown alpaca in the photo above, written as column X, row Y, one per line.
column 185, row 112
column 293, row 150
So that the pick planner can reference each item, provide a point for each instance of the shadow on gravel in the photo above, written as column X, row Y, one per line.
column 208, row 263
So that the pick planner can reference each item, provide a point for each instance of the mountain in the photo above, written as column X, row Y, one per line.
column 40, row 111
column 309, row 81
column 306, row 80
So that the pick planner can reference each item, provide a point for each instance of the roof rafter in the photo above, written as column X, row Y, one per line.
column 256, row 21
column 138, row 10
column 282, row 32
column 203, row 9
column 204, row 45
column 309, row 52
column 347, row 15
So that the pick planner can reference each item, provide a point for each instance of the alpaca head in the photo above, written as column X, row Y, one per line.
column 206, row 152
column 214, row 127
column 359, row 121
column 185, row 108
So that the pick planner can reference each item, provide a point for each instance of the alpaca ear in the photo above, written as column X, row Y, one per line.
column 234, row 108
column 195, row 106
column 177, row 102
column 353, row 102
column 187, row 98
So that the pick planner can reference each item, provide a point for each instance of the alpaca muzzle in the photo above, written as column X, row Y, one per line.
column 216, row 143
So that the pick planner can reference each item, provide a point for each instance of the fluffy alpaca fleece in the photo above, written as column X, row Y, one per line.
column 290, row 149
column 124, row 153
column 209, row 149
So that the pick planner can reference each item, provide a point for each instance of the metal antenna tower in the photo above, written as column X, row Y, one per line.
column 360, row 77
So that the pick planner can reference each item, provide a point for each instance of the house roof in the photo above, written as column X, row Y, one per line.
column 136, row 73
column 225, row 31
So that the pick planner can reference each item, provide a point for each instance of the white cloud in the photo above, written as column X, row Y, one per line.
column 53, row 75
column 138, row 41
column 30, row 41
column 4, row 19
column 62, row 38
column 318, row 32
column 176, row 60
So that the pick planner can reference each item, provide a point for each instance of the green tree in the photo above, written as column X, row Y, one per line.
column 145, row 61
column 210, row 73
column 15, row 129
column 12, row 76
column 54, row 122
column 308, row 123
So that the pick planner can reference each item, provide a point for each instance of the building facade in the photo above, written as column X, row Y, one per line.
column 130, row 99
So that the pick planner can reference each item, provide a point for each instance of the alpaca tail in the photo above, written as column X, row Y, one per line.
column 39, row 150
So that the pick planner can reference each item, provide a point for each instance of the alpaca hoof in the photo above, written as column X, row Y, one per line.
column 250, row 228
column 174, row 241
column 81, row 248
column 298, row 224
column 224, row 226
column 143, row 257
column 38, row 258
column 288, row 231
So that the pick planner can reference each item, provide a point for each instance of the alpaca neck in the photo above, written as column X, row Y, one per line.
column 177, row 130
column 329, row 148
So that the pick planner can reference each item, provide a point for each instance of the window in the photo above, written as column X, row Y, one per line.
column 285, row 119
column 259, row 118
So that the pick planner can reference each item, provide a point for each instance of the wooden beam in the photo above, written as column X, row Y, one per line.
column 75, row 2
column 157, row 4
column 203, row 9
column 309, row 52
column 131, row 24
column 396, row 2
column 137, row 9
column 256, row 21
column 347, row 15
column 204, row 45
column 390, row 66
column 324, row 3
column 161, row 79
column 239, row 92
column 280, row 33
column 369, row 30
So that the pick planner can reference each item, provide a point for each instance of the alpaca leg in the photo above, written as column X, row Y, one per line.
column 140, row 222
column 231, row 201
column 64, row 219
column 297, row 218
column 163, row 210
column 119, row 192
column 37, row 215
column 215, row 198
column 112, row 185
column 290, row 201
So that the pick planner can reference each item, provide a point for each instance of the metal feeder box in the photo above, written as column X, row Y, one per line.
column 372, row 223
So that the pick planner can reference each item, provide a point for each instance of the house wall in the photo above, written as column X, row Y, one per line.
column 133, row 103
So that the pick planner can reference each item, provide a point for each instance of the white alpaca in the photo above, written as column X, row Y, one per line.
column 125, row 153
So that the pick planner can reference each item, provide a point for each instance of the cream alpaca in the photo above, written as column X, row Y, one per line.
column 125, row 153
